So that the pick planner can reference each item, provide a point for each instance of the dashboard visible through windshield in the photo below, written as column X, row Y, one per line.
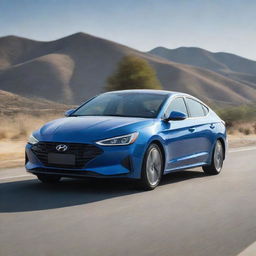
column 123, row 104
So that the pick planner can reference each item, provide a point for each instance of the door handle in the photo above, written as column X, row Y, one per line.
column 212, row 126
column 191, row 129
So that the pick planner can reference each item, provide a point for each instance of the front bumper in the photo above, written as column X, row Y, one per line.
column 114, row 161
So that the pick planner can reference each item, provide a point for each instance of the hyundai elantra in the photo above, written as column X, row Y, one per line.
column 136, row 134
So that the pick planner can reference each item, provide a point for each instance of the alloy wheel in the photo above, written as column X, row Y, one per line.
column 154, row 166
column 218, row 156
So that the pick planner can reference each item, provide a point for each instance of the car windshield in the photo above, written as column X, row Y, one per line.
column 145, row 105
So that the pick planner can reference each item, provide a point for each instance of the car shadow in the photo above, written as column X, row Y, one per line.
column 32, row 195
column 179, row 176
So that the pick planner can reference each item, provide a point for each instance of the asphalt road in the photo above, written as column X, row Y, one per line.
column 188, row 214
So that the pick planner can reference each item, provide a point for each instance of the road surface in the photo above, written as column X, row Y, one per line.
column 188, row 214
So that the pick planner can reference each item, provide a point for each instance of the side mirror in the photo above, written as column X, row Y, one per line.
column 176, row 115
column 69, row 112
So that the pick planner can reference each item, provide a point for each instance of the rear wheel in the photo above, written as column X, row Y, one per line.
column 152, row 168
column 48, row 178
column 217, row 160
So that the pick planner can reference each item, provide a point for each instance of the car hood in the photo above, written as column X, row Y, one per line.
column 89, row 128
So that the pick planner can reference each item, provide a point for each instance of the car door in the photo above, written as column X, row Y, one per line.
column 178, row 138
column 200, row 136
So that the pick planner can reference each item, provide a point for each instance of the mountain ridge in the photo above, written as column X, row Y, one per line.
column 227, row 64
column 74, row 68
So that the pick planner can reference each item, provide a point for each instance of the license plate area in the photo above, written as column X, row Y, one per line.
column 61, row 159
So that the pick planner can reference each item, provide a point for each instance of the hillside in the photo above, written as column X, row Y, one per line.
column 229, row 65
column 12, row 105
column 75, row 68
column 19, row 117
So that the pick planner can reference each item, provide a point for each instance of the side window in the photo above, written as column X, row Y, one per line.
column 195, row 108
column 177, row 104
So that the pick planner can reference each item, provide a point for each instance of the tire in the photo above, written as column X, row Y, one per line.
column 217, row 160
column 152, row 168
column 48, row 178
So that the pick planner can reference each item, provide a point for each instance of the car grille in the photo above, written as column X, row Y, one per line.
column 83, row 153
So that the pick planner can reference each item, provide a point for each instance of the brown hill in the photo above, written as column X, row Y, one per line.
column 219, row 61
column 74, row 68
column 229, row 65
column 13, row 104
column 19, row 116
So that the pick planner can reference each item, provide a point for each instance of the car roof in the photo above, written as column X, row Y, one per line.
column 159, row 92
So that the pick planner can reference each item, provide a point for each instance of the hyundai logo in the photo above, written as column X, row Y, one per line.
column 62, row 147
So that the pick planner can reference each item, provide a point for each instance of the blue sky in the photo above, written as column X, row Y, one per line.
column 216, row 25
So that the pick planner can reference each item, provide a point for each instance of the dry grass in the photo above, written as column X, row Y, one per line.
column 11, row 153
column 19, row 127
column 20, row 116
column 243, row 129
column 14, row 130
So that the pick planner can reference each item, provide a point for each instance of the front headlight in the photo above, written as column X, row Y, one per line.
column 32, row 140
column 120, row 140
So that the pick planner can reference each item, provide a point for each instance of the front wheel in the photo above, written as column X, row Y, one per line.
column 152, row 168
column 48, row 178
column 217, row 160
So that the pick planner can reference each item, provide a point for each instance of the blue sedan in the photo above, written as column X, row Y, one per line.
column 136, row 134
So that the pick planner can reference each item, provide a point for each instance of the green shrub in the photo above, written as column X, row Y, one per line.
column 244, row 113
column 133, row 73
